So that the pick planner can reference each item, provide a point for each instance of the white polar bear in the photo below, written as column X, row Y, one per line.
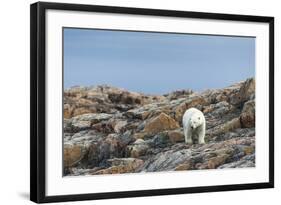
column 194, row 124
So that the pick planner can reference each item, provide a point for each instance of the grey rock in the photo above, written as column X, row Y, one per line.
column 166, row 161
column 247, row 161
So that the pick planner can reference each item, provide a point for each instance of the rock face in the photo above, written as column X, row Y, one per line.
column 109, row 130
column 160, row 123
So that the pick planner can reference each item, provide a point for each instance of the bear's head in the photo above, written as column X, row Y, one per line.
column 196, row 121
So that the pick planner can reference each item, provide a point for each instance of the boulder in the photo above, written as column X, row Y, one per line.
column 73, row 154
column 247, row 116
column 85, row 121
column 121, row 165
column 225, row 127
column 176, row 136
column 139, row 135
column 81, row 111
column 167, row 160
column 183, row 167
column 160, row 123
column 92, row 117
column 80, row 125
column 214, row 162
column 244, row 162
column 119, row 126
column 245, row 92
column 160, row 140
column 138, row 148
column 67, row 111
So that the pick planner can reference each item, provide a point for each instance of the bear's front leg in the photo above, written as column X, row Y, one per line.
column 201, row 134
column 188, row 136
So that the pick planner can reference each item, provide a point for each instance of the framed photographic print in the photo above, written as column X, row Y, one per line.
column 129, row 102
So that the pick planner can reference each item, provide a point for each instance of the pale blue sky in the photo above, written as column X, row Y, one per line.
column 155, row 63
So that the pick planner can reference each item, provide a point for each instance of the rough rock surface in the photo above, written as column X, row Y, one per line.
column 109, row 130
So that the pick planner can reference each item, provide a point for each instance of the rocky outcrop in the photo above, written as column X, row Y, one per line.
column 160, row 123
column 121, row 165
column 248, row 114
column 109, row 130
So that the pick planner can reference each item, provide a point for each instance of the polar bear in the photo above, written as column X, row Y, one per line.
column 194, row 125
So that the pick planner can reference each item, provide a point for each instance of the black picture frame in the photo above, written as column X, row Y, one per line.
column 38, row 101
